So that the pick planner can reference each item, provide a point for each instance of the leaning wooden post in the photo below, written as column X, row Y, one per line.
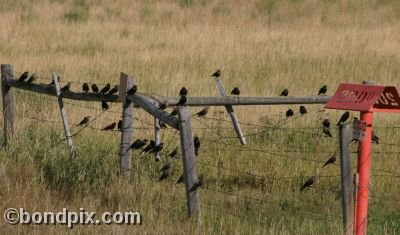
column 157, row 137
column 346, row 178
column 125, row 158
column 189, row 161
column 231, row 113
column 8, row 96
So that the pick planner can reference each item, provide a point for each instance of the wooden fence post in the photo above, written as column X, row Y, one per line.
column 189, row 161
column 67, row 132
column 125, row 152
column 157, row 137
column 346, row 179
column 8, row 96
column 231, row 113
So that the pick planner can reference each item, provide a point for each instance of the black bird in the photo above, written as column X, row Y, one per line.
column 202, row 112
column 200, row 182
column 327, row 131
column 105, row 89
column 183, row 92
column 285, row 92
column 309, row 183
column 104, row 105
column 85, row 87
column 289, row 113
column 119, row 126
column 343, row 118
column 84, row 121
column 157, row 148
column 174, row 112
column 174, row 152
column 113, row 90
column 132, row 91
column 109, row 127
column 196, row 143
column 95, row 89
column 235, row 91
column 162, row 124
column 303, row 110
column 374, row 138
column 331, row 160
column 326, row 123
column 216, row 73
column 323, row 90
column 180, row 180
column 66, row 87
column 23, row 76
column 166, row 173
column 149, row 147
column 166, row 167
column 163, row 106
column 182, row 101
column 32, row 78
column 137, row 144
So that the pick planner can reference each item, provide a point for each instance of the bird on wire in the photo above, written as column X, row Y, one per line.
column 157, row 148
column 174, row 112
column 119, row 126
column 285, row 92
column 109, row 127
column 289, row 113
column 32, row 78
column 309, row 183
column 95, row 89
column 105, row 89
column 343, row 118
column 235, row 91
column 104, row 105
column 180, row 179
column 132, row 90
column 322, row 90
column 216, row 74
column 331, row 160
column 202, row 112
column 326, row 123
column 66, row 87
column 182, row 101
column 166, row 172
column 200, row 182
column 84, row 121
column 149, row 147
column 183, row 92
column 173, row 152
column 303, row 110
column 163, row 106
column 138, row 144
column 23, row 76
column 196, row 143
column 113, row 90
column 85, row 87
column 327, row 131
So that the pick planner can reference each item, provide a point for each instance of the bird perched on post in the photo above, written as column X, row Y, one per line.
column 309, row 183
column 303, row 110
column 32, row 78
column 326, row 123
column 331, row 160
column 113, row 90
column 322, row 90
column 119, row 126
column 343, row 118
column 104, row 105
column 137, row 144
column 327, row 131
column 202, row 112
column 109, row 127
column 95, row 89
column 235, row 91
column 196, row 143
column 66, row 87
column 149, row 147
column 174, row 152
column 289, row 113
column 84, row 121
column 200, row 182
column 183, row 92
column 182, row 101
column 285, row 92
column 216, row 74
column 85, row 87
column 105, row 89
column 132, row 91
column 166, row 171
column 23, row 76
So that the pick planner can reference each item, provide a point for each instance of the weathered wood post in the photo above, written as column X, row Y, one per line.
column 8, row 96
column 346, row 179
column 189, row 161
column 231, row 113
column 157, row 137
column 67, row 132
column 125, row 152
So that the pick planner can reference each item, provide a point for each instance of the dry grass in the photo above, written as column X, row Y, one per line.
column 261, row 46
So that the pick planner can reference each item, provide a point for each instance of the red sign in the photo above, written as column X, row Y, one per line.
column 368, row 98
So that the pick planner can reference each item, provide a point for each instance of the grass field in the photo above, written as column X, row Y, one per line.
column 261, row 46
